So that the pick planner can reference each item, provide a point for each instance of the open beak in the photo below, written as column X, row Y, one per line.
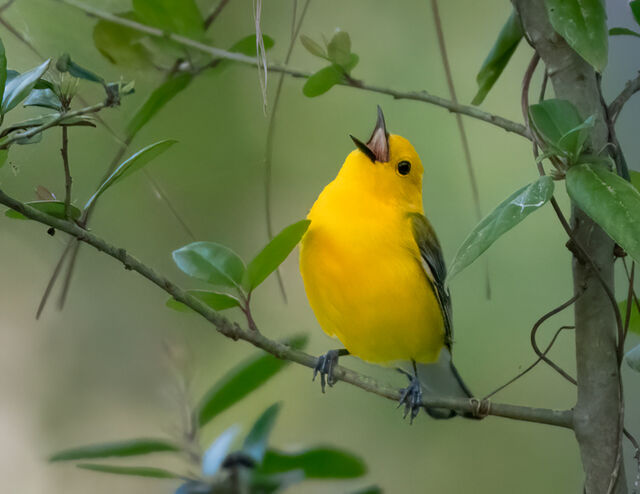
column 377, row 147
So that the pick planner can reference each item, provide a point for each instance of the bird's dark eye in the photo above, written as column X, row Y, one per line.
column 404, row 167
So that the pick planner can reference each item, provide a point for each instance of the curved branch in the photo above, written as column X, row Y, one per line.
column 631, row 88
column 423, row 96
column 560, row 418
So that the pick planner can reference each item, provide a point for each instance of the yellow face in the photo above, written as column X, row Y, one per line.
column 398, row 180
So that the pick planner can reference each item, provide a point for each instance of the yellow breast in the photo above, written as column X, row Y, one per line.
column 364, row 278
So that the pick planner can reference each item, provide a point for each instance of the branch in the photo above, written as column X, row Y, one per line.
column 632, row 87
column 559, row 418
column 215, row 13
column 64, row 151
column 423, row 96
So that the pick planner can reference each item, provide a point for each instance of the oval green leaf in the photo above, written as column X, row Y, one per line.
column 179, row 17
column 120, row 44
column 52, row 208
column 313, row 47
column 508, row 214
column 255, row 444
column 339, row 49
column 131, row 165
column 217, row 301
column 635, row 10
column 323, row 80
column 65, row 64
column 241, row 381
column 210, row 262
column 500, row 54
column 622, row 31
column 129, row 447
column 274, row 254
column 633, row 358
column 583, row 25
column 150, row 472
column 3, row 69
column 18, row 87
column 610, row 201
column 560, row 125
column 317, row 463
column 44, row 98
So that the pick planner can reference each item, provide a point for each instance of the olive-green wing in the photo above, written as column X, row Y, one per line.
column 434, row 267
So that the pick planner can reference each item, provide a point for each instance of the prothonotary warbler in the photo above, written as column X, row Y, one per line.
column 374, row 272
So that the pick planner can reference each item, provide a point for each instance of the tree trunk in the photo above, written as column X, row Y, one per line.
column 597, row 416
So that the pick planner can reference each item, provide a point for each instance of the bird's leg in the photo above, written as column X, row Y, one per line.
column 325, row 366
column 411, row 396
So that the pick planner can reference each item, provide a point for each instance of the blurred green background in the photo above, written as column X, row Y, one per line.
column 98, row 370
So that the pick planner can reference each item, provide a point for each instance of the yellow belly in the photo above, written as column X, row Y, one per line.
column 367, row 287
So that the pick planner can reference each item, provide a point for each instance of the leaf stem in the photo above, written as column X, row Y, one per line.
column 64, row 151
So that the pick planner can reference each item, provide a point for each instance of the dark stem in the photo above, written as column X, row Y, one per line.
column 215, row 13
column 64, row 151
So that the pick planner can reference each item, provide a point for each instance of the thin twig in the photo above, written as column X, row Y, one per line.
column 631, row 88
column 64, row 151
column 560, row 418
column 215, row 13
column 422, row 96
column 475, row 193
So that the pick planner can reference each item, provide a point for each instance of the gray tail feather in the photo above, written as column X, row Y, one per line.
column 442, row 378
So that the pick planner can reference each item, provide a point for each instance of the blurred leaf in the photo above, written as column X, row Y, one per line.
column 120, row 44
column 19, row 87
column 3, row 70
column 274, row 254
column 635, row 178
column 242, row 380
column 267, row 484
column 179, row 17
column 77, row 120
column 194, row 487
column 156, row 473
column 255, row 444
column 217, row 301
column 323, row 80
column 44, row 194
column 633, row 358
column 622, row 31
column 29, row 140
column 635, row 9
column 130, row 447
column 634, row 320
column 610, row 201
column 499, row 56
column 339, row 49
column 560, row 125
column 216, row 453
column 353, row 61
column 45, row 98
column 583, row 25
column 313, row 47
column 52, row 208
column 4, row 154
column 210, row 262
column 503, row 218
column 372, row 489
column 65, row 64
column 156, row 101
column 131, row 165
column 246, row 46
column 317, row 463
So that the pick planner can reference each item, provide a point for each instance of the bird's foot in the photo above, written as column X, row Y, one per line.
column 411, row 396
column 325, row 366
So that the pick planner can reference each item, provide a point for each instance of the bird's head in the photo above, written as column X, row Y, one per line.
column 387, row 165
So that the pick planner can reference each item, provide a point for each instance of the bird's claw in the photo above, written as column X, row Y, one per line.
column 325, row 366
column 411, row 397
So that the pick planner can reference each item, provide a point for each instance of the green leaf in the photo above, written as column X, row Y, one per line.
column 634, row 320
column 255, row 444
column 44, row 98
column 217, row 301
column 4, row 154
column 635, row 179
column 635, row 9
column 130, row 447
column 317, row 463
column 242, row 380
column 313, row 47
column 268, row 484
column 121, row 45
column 499, row 56
column 339, row 49
column 503, row 218
column 583, row 25
column 77, row 120
column 156, row 473
column 52, row 208
column 622, row 31
column 633, row 358
column 65, row 64
column 132, row 165
column 274, row 254
column 610, row 201
column 3, row 70
column 353, row 61
column 156, row 101
column 323, row 80
column 19, row 87
column 210, row 262
column 372, row 489
column 560, row 125
column 215, row 454
column 246, row 46
column 179, row 17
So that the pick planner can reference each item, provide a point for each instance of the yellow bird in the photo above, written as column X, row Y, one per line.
column 374, row 272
